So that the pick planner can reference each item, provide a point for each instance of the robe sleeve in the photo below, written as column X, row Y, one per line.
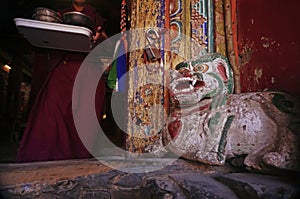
column 99, row 22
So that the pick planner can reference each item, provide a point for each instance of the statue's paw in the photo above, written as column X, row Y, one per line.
column 279, row 160
column 212, row 158
column 252, row 163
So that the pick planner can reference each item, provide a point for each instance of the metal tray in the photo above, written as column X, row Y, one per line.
column 55, row 35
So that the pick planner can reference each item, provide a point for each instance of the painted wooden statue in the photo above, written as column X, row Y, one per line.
column 209, row 124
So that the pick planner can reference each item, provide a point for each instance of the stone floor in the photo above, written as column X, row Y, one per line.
column 91, row 178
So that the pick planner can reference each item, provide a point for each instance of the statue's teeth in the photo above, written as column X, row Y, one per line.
column 194, row 82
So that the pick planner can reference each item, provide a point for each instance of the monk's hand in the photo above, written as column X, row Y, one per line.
column 99, row 33
column 96, row 37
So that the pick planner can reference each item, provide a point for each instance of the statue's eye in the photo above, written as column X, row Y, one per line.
column 183, row 70
column 201, row 68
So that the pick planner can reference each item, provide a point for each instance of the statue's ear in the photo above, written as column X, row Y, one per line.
column 222, row 67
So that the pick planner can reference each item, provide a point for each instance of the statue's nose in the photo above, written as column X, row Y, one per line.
column 199, row 76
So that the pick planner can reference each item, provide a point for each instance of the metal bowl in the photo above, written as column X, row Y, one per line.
column 46, row 11
column 78, row 19
column 46, row 14
column 48, row 18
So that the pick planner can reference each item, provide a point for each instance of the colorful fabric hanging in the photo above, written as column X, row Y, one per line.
column 121, row 64
column 112, row 75
column 115, row 78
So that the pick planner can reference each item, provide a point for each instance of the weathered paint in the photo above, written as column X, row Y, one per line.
column 262, row 126
column 269, row 42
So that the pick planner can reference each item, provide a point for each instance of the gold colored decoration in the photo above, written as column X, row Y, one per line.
column 145, row 100
column 219, row 28
column 180, row 26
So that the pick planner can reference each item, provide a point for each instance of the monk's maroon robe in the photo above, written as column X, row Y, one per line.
column 50, row 132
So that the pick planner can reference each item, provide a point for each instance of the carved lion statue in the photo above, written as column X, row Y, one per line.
column 210, row 124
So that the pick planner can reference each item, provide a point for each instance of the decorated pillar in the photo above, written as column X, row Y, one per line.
column 194, row 28
column 146, row 114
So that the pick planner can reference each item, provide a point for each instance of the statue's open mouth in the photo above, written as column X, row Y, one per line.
column 186, row 85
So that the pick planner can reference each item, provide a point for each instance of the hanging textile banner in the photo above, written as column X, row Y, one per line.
column 119, row 65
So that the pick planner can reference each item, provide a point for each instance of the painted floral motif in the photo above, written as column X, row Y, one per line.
column 199, row 22
column 147, row 96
